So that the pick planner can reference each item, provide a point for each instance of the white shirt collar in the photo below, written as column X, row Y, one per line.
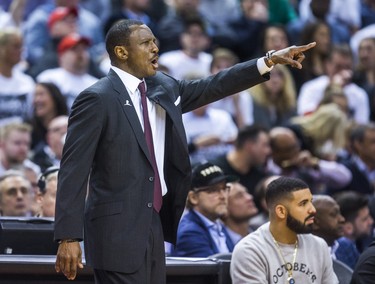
column 131, row 82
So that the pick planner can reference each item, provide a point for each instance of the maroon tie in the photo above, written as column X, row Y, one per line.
column 150, row 144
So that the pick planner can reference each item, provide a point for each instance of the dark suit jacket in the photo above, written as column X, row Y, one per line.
column 364, row 271
column 194, row 238
column 105, row 141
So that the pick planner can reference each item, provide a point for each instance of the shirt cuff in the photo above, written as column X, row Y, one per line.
column 262, row 66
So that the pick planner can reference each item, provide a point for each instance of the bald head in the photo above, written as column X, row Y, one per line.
column 284, row 144
column 328, row 219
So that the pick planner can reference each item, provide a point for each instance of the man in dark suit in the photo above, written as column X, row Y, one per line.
column 111, row 171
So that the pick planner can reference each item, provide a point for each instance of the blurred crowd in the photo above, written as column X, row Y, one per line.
column 316, row 124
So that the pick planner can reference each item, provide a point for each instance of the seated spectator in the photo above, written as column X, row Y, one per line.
column 200, row 232
column 274, row 101
column 367, row 12
column 364, row 271
column 172, row 25
column 72, row 76
column 283, row 250
column 62, row 22
column 132, row 10
column 335, row 94
column 364, row 73
column 274, row 37
column 211, row 131
column 323, row 131
column 339, row 66
column 361, row 163
column 288, row 159
column 241, row 208
column 191, row 59
column 49, row 154
column 32, row 176
column 16, row 87
column 239, row 105
column 246, row 30
column 248, row 157
column 319, row 32
column 328, row 222
column 358, row 225
column 260, row 200
column 47, row 192
column 319, row 10
column 15, row 194
column 48, row 103
column 37, row 34
column 15, row 141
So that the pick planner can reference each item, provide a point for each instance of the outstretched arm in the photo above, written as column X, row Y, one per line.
column 292, row 55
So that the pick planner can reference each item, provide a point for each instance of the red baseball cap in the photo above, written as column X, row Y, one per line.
column 60, row 13
column 70, row 41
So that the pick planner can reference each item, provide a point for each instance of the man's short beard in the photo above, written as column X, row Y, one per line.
column 297, row 226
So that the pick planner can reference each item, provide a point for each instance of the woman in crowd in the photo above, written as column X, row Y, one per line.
column 48, row 103
column 274, row 101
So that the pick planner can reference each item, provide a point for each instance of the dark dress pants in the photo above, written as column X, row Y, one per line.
column 152, row 271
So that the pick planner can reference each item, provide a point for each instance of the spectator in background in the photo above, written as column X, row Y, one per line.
column 240, row 209
column 47, row 192
column 49, row 154
column 274, row 101
column 283, row 250
column 16, row 87
column 15, row 195
column 200, row 232
column 48, row 103
column 260, row 200
column 62, row 22
column 245, row 31
column 348, row 19
column 335, row 94
column 362, row 160
column 191, row 59
column 322, row 132
column 274, row 37
column 32, row 175
column 239, row 105
column 364, row 73
column 319, row 32
column 211, row 131
column 319, row 10
column 172, row 25
column 248, row 157
column 36, row 29
column 71, row 77
column 15, row 141
column 281, row 11
column 358, row 225
column 288, row 159
column 328, row 222
column 367, row 12
column 219, row 12
column 132, row 10
column 339, row 65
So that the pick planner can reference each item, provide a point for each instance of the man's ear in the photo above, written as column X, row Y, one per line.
column 281, row 211
column 193, row 198
column 121, row 52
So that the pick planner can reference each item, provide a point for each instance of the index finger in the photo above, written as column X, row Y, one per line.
column 305, row 47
